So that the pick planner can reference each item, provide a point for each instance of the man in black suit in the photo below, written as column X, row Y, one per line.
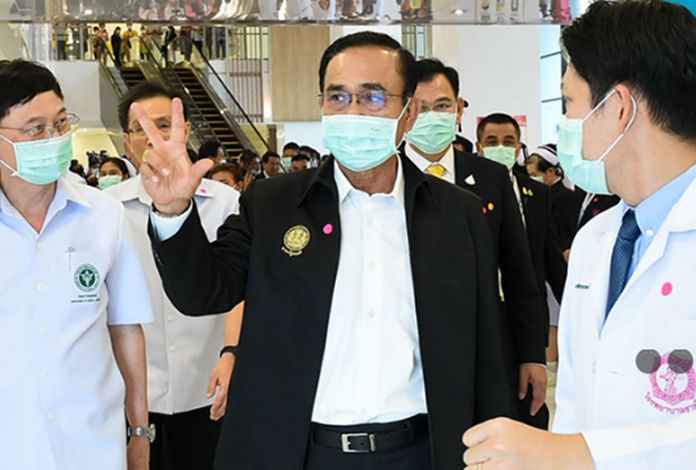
column 499, row 139
column 520, row 301
column 371, row 337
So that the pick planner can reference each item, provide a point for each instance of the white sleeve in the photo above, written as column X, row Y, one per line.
column 166, row 227
column 564, row 419
column 669, row 445
column 129, row 299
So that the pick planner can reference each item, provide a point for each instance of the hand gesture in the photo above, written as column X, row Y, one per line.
column 219, row 383
column 168, row 174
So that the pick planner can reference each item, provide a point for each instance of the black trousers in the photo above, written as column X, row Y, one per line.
column 185, row 441
column 414, row 457
column 540, row 421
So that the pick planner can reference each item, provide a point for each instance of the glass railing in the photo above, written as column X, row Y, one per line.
column 230, row 109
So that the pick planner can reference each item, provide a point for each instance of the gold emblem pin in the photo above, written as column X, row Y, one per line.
column 295, row 240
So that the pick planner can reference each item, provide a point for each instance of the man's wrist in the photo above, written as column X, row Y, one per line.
column 171, row 211
column 147, row 432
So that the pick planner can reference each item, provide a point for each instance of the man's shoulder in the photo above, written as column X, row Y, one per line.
column 482, row 167
column 452, row 193
column 215, row 193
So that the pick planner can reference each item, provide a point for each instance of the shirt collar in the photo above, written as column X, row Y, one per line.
column 65, row 192
column 652, row 212
column 447, row 160
column 133, row 188
column 345, row 188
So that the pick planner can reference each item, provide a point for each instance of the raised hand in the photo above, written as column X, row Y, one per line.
column 167, row 172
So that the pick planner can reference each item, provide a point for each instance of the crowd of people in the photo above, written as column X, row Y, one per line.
column 392, row 305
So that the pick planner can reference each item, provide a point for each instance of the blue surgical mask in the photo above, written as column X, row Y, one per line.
column 433, row 132
column 41, row 161
column 590, row 175
column 360, row 142
column 504, row 155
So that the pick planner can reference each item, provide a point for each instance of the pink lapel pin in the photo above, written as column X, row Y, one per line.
column 203, row 190
column 667, row 288
column 328, row 229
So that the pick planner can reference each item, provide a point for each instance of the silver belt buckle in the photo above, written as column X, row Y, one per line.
column 345, row 443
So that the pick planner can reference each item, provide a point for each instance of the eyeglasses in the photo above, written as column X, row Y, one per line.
column 61, row 126
column 163, row 127
column 372, row 100
column 440, row 107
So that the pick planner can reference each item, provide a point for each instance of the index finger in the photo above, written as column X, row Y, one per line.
column 178, row 121
column 147, row 124
column 479, row 433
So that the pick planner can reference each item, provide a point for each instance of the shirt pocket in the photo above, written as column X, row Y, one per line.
column 84, row 273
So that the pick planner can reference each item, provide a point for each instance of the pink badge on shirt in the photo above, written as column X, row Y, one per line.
column 328, row 229
column 667, row 288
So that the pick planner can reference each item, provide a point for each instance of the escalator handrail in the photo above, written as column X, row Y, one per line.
column 214, row 73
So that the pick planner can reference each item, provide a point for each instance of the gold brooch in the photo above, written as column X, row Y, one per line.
column 295, row 240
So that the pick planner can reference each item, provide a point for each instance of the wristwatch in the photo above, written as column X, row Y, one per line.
column 142, row 431
column 229, row 349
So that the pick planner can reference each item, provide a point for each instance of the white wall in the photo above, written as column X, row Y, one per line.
column 79, row 81
column 498, row 71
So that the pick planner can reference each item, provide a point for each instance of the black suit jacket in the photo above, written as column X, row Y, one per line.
column 547, row 258
column 288, row 300
column 598, row 204
column 564, row 213
column 523, row 322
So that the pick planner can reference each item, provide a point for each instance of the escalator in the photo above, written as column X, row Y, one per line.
column 223, row 131
column 214, row 112
column 132, row 75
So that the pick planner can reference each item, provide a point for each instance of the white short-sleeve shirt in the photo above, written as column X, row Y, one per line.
column 181, row 350
column 61, row 392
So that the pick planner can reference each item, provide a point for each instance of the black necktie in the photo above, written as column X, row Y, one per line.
column 621, row 257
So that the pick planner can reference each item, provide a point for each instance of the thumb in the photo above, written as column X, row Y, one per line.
column 524, row 385
column 212, row 383
column 200, row 168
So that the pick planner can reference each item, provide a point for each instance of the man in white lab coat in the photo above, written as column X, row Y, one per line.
column 627, row 385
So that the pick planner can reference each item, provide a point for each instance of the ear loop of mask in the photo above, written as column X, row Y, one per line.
column 6, row 165
column 401, row 114
column 628, row 127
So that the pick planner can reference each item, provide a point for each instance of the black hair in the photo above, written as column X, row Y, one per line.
column 118, row 162
column 268, row 155
column 497, row 118
column 300, row 156
column 21, row 81
column 648, row 45
column 428, row 69
column 247, row 156
column 209, row 148
column 291, row 146
column 372, row 39
column 143, row 91
column 231, row 168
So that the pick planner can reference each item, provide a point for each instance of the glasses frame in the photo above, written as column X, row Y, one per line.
column 359, row 96
column 72, row 118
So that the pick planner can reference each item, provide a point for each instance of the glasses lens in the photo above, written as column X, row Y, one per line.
column 338, row 100
column 374, row 100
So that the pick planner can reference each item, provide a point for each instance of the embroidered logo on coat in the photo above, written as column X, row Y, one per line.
column 672, row 380
column 87, row 278
column 295, row 240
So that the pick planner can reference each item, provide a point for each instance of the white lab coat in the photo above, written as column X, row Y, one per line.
column 631, row 420
column 181, row 350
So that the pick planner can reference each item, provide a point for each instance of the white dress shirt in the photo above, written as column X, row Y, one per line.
column 423, row 163
column 61, row 392
column 371, row 370
column 181, row 350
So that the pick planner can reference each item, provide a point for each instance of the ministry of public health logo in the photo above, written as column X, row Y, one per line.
column 87, row 278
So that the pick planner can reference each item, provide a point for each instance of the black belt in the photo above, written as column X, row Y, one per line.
column 401, row 434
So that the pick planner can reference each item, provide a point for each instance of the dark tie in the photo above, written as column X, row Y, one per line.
column 621, row 257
